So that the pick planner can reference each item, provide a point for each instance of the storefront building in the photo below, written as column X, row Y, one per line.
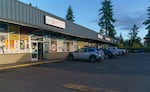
column 30, row 34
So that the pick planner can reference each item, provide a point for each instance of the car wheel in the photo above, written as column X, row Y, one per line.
column 92, row 59
column 70, row 58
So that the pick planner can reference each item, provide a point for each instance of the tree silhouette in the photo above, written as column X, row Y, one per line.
column 121, row 38
column 69, row 15
column 147, row 23
column 133, row 33
column 134, row 40
column 106, row 20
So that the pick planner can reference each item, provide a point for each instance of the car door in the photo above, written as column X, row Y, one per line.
column 85, row 54
column 79, row 54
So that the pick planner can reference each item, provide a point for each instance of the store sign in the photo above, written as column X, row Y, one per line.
column 100, row 36
column 54, row 22
column 107, row 39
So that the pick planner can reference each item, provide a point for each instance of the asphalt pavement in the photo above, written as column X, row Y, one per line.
column 129, row 73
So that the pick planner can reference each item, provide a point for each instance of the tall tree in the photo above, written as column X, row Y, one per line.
column 120, row 41
column 133, row 33
column 121, row 38
column 106, row 20
column 30, row 4
column 147, row 39
column 147, row 23
column 134, row 40
column 69, row 15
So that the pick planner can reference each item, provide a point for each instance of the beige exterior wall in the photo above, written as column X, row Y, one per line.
column 56, row 55
column 14, row 58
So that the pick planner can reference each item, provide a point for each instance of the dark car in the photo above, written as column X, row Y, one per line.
column 108, row 53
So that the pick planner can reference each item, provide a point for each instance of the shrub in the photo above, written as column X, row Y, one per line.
column 138, row 50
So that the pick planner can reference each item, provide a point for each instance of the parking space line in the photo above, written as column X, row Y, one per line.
column 83, row 88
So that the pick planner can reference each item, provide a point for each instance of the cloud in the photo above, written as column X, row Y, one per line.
column 126, row 22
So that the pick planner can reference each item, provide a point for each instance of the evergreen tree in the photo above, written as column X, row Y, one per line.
column 147, row 23
column 133, row 33
column 69, row 15
column 120, row 42
column 30, row 4
column 121, row 38
column 127, row 43
column 134, row 40
column 106, row 20
column 147, row 39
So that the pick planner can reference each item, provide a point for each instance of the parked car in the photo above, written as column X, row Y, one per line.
column 101, row 53
column 114, row 50
column 123, row 51
column 108, row 53
column 86, row 53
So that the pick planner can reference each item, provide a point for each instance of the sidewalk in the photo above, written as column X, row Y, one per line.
column 26, row 64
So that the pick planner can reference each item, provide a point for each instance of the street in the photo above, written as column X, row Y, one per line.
column 129, row 73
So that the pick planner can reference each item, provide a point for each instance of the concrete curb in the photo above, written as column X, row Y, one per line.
column 26, row 64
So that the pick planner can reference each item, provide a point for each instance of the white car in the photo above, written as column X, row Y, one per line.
column 114, row 50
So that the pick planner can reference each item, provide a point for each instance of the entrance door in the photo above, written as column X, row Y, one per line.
column 68, row 46
column 40, row 50
column 34, row 45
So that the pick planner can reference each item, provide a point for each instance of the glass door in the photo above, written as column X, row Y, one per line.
column 40, row 50
column 34, row 45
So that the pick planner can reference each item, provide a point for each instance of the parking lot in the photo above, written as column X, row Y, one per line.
column 128, row 73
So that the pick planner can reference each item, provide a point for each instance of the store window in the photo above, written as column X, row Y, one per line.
column 75, row 45
column 24, row 39
column 57, row 42
column 81, row 44
column 14, row 31
column 3, row 38
column 60, row 45
column 47, row 42
column 54, row 45
column 3, row 27
column 69, row 45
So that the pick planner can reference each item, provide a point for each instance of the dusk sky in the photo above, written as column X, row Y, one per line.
column 126, row 12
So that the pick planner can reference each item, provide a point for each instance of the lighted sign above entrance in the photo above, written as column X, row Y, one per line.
column 54, row 22
column 100, row 36
column 107, row 39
